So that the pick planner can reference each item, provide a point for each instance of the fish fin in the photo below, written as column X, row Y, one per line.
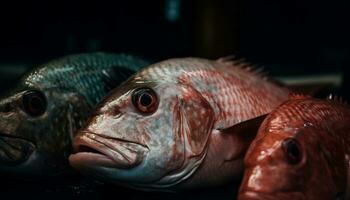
column 116, row 75
column 318, row 89
column 248, row 67
column 228, row 58
column 336, row 98
column 244, row 133
column 299, row 96
column 251, row 124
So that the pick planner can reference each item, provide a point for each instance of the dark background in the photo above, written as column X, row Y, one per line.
column 288, row 38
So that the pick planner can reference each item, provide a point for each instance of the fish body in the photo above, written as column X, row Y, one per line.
column 301, row 152
column 39, row 117
column 170, row 125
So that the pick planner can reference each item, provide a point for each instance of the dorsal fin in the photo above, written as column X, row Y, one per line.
column 302, row 88
column 336, row 98
column 298, row 96
column 227, row 58
column 243, row 64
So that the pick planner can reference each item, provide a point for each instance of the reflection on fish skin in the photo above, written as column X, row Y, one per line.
column 39, row 117
column 301, row 151
column 189, row 120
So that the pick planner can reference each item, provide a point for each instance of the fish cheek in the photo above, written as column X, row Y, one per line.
column 66, row 113
column 331, row 162
column 67, row 117
column 178, row 149
column 196, row 120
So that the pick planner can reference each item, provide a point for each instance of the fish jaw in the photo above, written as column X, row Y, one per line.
column 252, row 195
column 14, row 150
column 93, row 150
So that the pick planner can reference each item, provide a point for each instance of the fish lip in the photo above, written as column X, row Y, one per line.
column 16, row 137
column 10, row 154
column 257, row 195
column 252, row 195
column 95, row 149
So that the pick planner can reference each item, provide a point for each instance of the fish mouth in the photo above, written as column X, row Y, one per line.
column 253, row 195
column 14, row 150
column 96, row 150
column 250, row 195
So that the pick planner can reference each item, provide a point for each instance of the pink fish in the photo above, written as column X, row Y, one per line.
column 301, row 152
column 180, row 123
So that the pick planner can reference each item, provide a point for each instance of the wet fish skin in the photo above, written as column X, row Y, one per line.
column 182, row 125
column 66, row 89
column 301, row 152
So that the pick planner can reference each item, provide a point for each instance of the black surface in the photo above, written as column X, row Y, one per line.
column 82, row 188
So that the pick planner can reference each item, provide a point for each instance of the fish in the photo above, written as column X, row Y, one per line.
column 177, row 124
column 301, row 151
column 43, row 111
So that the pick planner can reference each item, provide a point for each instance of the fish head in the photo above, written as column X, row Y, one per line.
column 276, row 165
column 36, row 127
column 292, row 162
column 149, row 135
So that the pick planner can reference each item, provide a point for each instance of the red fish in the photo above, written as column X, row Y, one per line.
column 301, row 152
column 175, row 125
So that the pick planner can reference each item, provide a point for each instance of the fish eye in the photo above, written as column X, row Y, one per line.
column 291, row 148
column 34, row 103
column 145, row 100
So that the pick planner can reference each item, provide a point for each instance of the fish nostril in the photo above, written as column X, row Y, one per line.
column 115, row 111
column 5, row 108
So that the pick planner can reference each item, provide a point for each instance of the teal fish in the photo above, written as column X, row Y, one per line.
column 39, row 117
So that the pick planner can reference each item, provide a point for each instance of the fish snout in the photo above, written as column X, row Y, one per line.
column 10, row 104
column 94, row 150
column 15, row 147
column 253, row 195
column 250, row 195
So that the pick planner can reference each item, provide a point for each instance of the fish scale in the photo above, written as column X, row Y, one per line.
column 314, row 112
column 221, row 84
column 300, row 152
column 64, row 91
column 77, row 68
column 194, row 115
